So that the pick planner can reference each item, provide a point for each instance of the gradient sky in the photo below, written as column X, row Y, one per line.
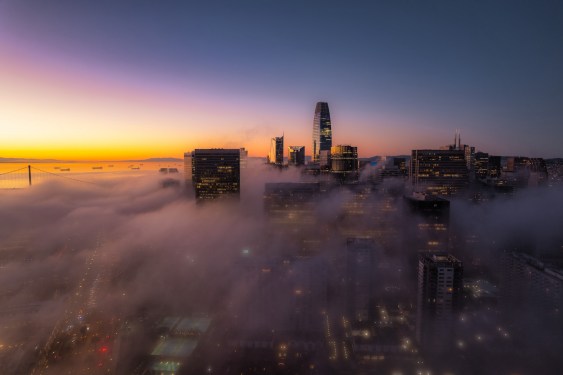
column 133, row 79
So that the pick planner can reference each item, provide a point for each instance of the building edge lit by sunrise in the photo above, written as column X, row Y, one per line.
column 275, row 156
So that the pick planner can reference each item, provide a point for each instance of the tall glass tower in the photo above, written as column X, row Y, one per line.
column 322, row 131
column 275, row 156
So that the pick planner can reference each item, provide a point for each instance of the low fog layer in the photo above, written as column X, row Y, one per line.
column 128, row 249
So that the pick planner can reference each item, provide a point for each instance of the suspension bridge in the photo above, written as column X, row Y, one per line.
column 27, row 176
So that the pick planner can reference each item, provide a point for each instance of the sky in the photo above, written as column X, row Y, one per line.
column 119, row 79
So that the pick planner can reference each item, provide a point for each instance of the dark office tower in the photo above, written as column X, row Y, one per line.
column 275, row 156
column 361, row 263
column 296, row 155
column 291, row 202
column 468, row 151
column 481, row 165
column 494, row 166
column 344, row 161
column 216, row 173
column 538, row 172
column 431, row 218
column 322, row 131
column 526, row 281
column 439, row 299
column 531, row 295
column 401, row 164
column 439, row 172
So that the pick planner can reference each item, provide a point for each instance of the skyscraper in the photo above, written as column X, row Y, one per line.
column 322, row 131
column 215, row 173
column 527, row 281
column 481, row 163
column 291, row 202
column 276, row 151
column 431, row 219
column 296, row 155
column 440, row 287
column 361, row 262
column 439, row 172
column 344, row 161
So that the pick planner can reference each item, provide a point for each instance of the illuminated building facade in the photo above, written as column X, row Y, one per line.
column 322, row 131
column 481, row 165
column 469, row 152
column 296, row 155
column 439, row 172
column 344, row 161
column 275, row 155
column 216, row 173
column 439, row 299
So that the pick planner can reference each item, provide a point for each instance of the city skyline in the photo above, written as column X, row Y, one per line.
column 267, row 187
column 113, row 81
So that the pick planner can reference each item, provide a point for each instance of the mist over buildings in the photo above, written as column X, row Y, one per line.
column 124, row 254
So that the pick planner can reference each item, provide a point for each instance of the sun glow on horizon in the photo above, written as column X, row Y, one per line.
column 54, row 110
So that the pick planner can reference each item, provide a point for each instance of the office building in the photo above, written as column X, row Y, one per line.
column 469, row 157
column 431, row 218
column 494, row 166
column 481, row 165
column 439, row 172
column 291, row 202
column 439, row 299
column 322, row 131
column 361, row 264
column 243, row 158
column 401, row 164
column 324, row 160
column 275, row 156
column 527, row 281
column 215, row 172
column 188, row 167
column 522, row 171
column 344, row 161
column 296, row 155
